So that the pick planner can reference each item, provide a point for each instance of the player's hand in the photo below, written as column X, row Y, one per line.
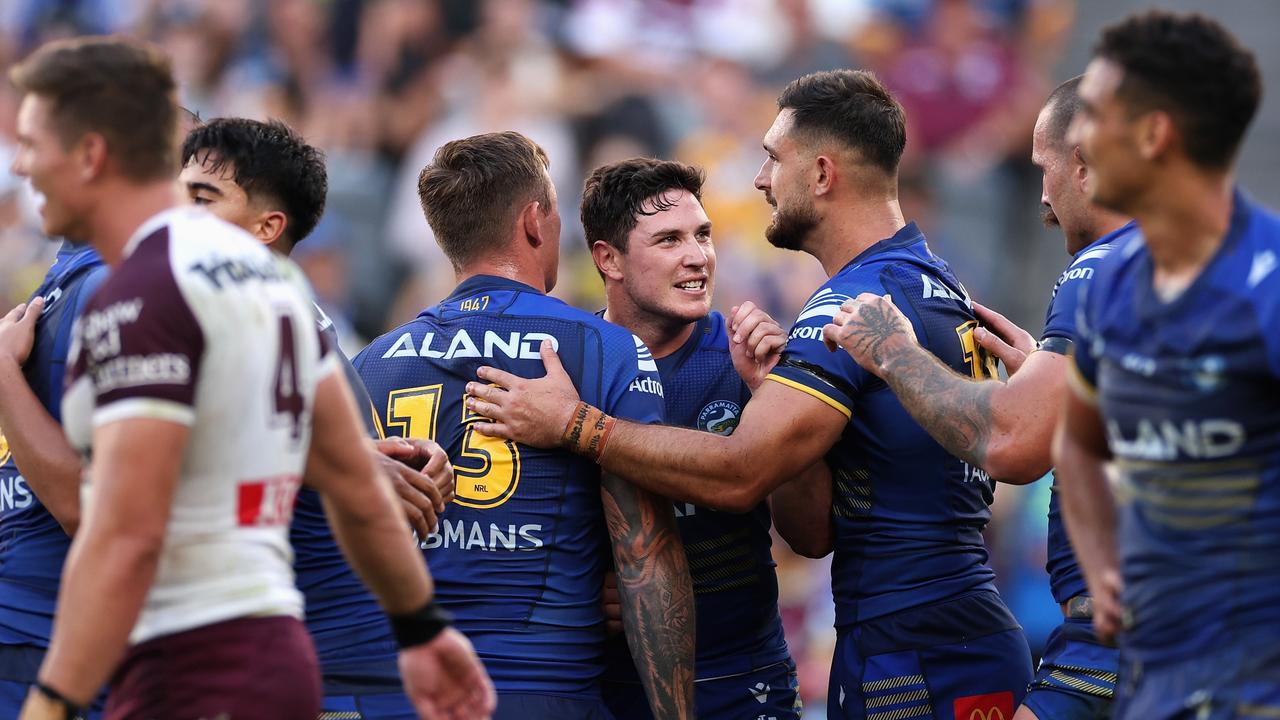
column 871, row 328
column 1002, row 338
column 444, row 679
column 533, row 412
column 18, row 331
column 425, row 456
column 612, row 603
column 1108, row 613
column 420, row 499
column 755, row 343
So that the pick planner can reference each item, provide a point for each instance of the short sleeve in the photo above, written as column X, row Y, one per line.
column 635, row 392
column 1084, row 349
column 808, row 366
column 1060, row 318
column 140, row 348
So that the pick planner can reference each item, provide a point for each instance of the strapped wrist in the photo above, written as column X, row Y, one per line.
column 420, row 627
column 588, row 431
column 70, row 709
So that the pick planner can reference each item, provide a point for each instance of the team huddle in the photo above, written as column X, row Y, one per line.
column 208, row 511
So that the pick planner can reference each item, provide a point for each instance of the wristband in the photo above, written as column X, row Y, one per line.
column 420, row 627
column 588, row 431
column 70, row 710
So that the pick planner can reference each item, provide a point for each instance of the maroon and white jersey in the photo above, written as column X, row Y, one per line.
column 202, row 325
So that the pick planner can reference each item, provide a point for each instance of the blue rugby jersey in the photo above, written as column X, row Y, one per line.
column 32, row 543
column 908, row 515
column 734, row 583
column 519, row 557
column 1188, row 392
column 352, row 636
column 1065, row 579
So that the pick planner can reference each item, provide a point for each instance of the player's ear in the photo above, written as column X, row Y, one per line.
column 608, row 259
column 270, row 226
column 529, row 216
column 824, row 175
column 91, row 155
column 1156, row 134
column 1079, row 170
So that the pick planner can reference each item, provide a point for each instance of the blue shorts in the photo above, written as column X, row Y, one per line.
column 1234, row 683
column 535, row 706
column 941, row 661
column 367, row 690
column 1077, row 675
column 371, row 706
column 19, row 665
column 768, row 693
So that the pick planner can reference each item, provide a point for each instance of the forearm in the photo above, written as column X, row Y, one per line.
column 104, row 584
column 380, row 549
column 656, row 596
column 47, row 461
column 801, row 512
column 955, row 411
column 690, row 466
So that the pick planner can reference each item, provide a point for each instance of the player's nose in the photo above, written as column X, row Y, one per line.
column 762, row 177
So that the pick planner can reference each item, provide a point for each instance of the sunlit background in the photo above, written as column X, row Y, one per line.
column 380, row 84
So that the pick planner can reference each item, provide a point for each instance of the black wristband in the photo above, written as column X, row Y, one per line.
column 420, row 627
column 70, row 709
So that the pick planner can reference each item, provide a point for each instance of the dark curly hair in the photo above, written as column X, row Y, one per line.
column 852, row 107
column 616, row 195
column 1193, row 68
column 269, row 161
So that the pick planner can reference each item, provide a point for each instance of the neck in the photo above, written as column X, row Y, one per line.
column 510, row 268
column 662, row 335
column 125, row 210
column 1105, row 222
column 1185, row 220
column 850, row 229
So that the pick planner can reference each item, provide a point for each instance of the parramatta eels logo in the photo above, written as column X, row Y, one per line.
column 4, row 448
column 720, row 417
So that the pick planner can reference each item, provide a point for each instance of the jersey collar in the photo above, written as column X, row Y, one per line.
column 908, row 235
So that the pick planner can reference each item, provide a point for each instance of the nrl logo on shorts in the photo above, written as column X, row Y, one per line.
column 720, row 417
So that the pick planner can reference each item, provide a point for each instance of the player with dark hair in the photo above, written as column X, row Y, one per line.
column 521, row 556
column 1006, row 427
column 194, row 378
column 651, row 241
column 1178, row 361
column 928, row 636
column 263, row 177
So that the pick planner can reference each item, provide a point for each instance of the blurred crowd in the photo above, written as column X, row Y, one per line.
column 380, row 84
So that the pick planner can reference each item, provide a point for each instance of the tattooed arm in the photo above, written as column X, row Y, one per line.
column 1006, row 428
column 656, row 594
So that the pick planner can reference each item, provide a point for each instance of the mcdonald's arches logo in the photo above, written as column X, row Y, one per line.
column 992, row 706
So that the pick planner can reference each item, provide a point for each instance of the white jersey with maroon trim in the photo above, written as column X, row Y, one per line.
column 202, row 325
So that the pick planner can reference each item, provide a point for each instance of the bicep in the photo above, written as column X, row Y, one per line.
column 1081, row 426
column 136, row 466
column 338, row 454
column 1025, row 412
column 784, row 428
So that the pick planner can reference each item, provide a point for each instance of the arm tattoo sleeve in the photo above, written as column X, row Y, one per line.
column 954, row 410
column 656, row 593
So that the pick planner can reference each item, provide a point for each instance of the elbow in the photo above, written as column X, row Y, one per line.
column 812, row 548
column 1016, row 463
column 70, row 521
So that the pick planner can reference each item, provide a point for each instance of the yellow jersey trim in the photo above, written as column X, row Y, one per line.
column 847, row 412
